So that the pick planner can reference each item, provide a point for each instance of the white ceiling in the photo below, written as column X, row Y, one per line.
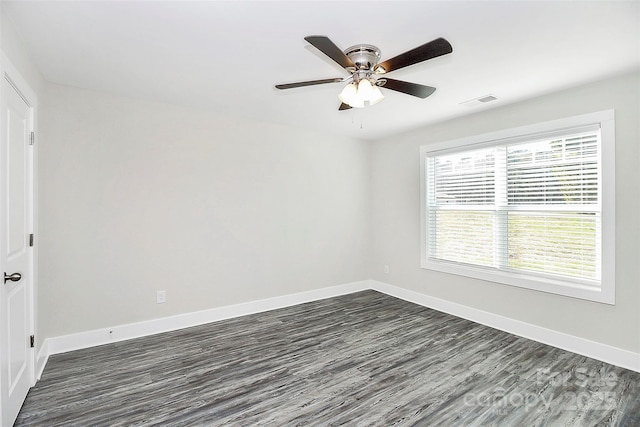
column 227, row 55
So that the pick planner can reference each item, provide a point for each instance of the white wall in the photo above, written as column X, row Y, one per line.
column 396, row 217
column 139, row 196
column 18, row 55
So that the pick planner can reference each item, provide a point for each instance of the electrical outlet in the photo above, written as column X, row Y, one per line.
column 161, row 297
column 386, row 269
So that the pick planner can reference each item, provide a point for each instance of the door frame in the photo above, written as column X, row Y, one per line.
column 10, row 74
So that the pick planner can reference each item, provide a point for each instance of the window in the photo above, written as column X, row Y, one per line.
column 531, row 207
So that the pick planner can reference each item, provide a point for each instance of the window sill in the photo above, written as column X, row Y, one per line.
column 553, row 286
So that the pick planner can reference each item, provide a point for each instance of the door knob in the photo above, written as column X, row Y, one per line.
column 15, row 277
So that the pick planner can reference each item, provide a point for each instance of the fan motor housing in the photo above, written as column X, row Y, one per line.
column 364, row 56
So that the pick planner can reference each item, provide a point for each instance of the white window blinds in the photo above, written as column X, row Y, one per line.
column 529, row 205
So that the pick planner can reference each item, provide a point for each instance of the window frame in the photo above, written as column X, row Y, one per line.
column 606, row 292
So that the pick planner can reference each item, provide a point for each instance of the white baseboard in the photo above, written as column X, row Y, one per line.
column 41, row 359
column 65, row 343
column 61, row 344
column 606, row 353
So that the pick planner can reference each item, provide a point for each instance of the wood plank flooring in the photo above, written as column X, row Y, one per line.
column 365, row 359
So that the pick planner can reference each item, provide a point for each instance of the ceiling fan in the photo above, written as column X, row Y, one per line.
column 367, row 75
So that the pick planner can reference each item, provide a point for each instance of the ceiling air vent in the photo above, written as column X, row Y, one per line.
column 481, row 100
column 487, row 98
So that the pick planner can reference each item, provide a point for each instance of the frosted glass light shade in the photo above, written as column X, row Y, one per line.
column 365, row 90
column 376, row 95
column 349, row 96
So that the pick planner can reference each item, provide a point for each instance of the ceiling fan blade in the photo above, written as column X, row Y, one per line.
column 344, row 106
column 432, row 49
column 308, row 83
column 421, row 91
column 326, row 46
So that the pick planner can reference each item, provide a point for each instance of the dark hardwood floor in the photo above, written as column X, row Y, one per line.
column 361, row 359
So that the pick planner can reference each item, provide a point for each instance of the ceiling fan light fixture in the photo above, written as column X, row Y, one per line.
column 357, row 94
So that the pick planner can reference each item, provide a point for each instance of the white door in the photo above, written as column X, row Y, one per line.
column 16, row 356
